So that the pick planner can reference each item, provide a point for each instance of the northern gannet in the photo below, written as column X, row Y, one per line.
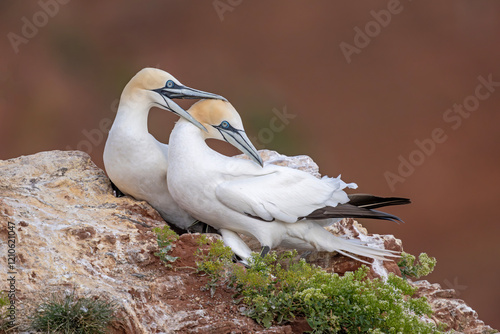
column 134, row 160
column 276, row 205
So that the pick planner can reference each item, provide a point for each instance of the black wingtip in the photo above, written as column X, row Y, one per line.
column 348, row 210
column 368, row 201
column 388, row 216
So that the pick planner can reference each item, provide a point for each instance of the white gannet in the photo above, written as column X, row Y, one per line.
column 134, row 160
column 276, row 205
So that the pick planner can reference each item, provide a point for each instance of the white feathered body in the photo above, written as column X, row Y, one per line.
column 137, row 164
column 239, row 196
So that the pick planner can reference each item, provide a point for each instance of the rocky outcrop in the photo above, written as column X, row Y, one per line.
column 301, row 162
column 71, row 233
column 450, row 310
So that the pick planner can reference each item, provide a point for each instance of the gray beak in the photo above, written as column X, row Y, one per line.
column 239, row 139
column 183, row 92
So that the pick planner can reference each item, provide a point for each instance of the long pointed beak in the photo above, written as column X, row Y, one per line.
column 183, row 92
column 239, row 139
column 176, row 109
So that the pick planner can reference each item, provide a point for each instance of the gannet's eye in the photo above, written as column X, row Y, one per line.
column 169, row 84
column 225, row 124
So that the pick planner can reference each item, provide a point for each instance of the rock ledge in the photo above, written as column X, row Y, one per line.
column 73, row 234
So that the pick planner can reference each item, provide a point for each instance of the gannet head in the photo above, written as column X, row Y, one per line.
column 155, row 87
column 223, row 122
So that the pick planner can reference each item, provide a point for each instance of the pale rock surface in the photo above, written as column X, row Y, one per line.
column 73, row 234
column 301, row 162
column 450, row 310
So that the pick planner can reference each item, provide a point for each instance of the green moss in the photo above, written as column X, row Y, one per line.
column 416, row 269
column 278, row 289
column 165, row 238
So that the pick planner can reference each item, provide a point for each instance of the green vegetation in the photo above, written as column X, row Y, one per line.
column 416, row 269
column 4, row 319
column 278, row 289
column 215, row 262
column 70, row 314
column 165, row 238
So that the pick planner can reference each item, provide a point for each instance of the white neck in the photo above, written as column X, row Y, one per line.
column 189, row 151
column 187, row 145
column 132, row 116
column 186, row 134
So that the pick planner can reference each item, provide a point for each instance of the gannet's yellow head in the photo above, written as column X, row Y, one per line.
column 154, row 87
column 223, row 122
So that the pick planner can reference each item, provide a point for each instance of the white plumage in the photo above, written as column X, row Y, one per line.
column 270, row 203
column 281, row 193
column 134, row 160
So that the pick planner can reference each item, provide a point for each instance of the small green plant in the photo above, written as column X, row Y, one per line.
column 276, row 289
column 416, row 269
column 215, row 262
column 4, row 321
column 165, row 238
column 70, row 314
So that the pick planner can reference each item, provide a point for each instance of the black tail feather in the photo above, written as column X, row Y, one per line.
column 372, row 202
column 349, row 211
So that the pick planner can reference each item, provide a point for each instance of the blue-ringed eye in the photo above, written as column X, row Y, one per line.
column 169, row 84
column 225, row 124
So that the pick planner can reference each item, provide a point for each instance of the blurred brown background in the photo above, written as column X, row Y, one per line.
column 357, row 112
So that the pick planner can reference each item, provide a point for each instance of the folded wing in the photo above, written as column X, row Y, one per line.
column 280, row 193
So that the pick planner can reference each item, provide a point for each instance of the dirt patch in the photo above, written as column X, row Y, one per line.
column 215, row 314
